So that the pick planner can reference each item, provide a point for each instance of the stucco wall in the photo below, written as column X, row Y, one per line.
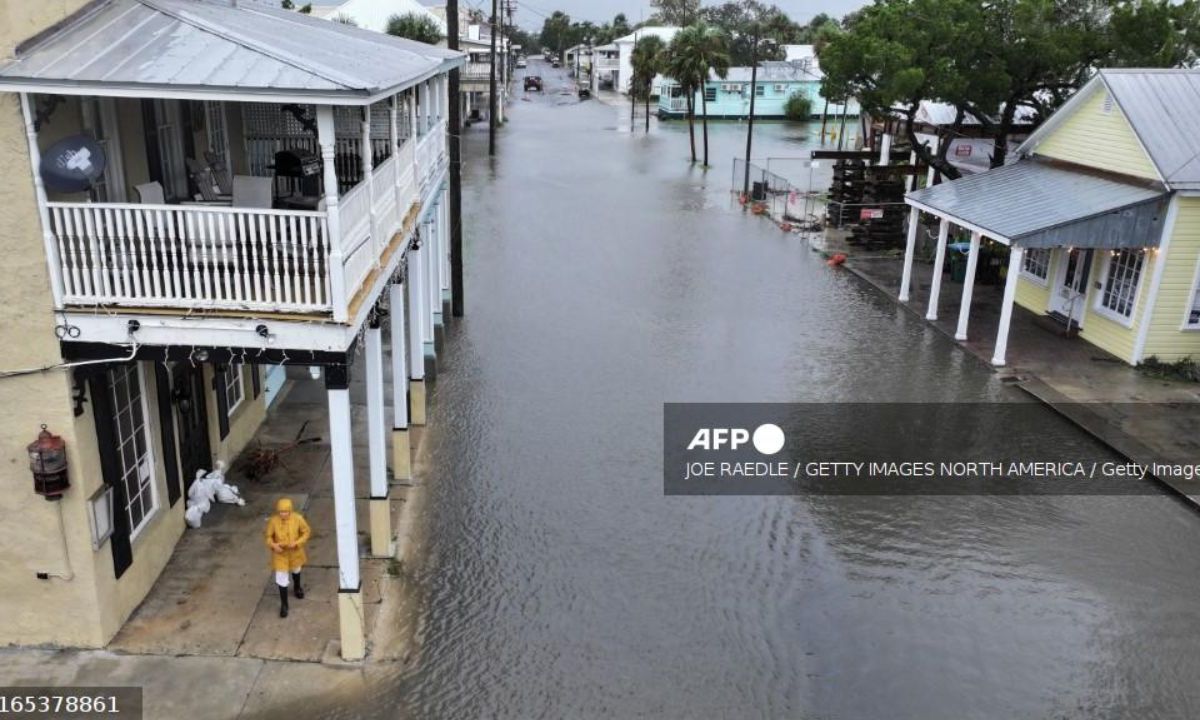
column 243, row 422
column 54, row 610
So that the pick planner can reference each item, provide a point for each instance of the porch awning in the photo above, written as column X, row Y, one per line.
column 1039, row 205
column 203, row 49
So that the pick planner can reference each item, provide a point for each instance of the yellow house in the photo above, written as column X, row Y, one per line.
column 195, row 194
column 1101, row 211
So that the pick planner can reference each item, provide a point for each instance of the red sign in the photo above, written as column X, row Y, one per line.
column 870, row 213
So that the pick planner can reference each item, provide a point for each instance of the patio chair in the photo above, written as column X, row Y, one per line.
column 150, row 193
column 202, row 176
column 220, row 174
column 253, row 192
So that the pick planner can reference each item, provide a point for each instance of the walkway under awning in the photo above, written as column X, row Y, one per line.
column 1037, row 204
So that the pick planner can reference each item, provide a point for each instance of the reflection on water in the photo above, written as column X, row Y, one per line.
column 605, row 276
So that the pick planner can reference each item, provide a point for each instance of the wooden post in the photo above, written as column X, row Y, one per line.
column 1015, row 257
column 380, row 505
column 931, row 313
column 914, row 221
column 964, row 309
column 350, row 617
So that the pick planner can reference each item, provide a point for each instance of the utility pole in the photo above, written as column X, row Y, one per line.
column 456, row 230
column 750, row 125
column 492, row 101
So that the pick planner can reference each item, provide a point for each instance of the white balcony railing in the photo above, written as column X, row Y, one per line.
column 192, row 256
column 226, row 258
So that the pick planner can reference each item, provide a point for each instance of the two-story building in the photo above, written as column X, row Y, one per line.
column 198, row 191
column 1101, row 216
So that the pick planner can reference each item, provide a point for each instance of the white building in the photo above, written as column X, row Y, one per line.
column 374, row 14
column 624, row 69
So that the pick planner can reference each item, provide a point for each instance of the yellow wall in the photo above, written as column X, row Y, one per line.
column 243, row 423
column 1093, row 138
column 1033, row 296
column 54, row 610
column 1104, row 332
column 1164, row 337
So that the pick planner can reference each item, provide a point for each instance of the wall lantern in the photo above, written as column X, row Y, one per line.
column 48, row 461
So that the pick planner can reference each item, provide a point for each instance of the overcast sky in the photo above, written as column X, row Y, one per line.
column 531, row 14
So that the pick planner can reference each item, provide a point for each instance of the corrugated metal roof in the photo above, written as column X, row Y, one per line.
column 205, row 47
column 770, row 71
column 1163, row 107
column 1037, row 204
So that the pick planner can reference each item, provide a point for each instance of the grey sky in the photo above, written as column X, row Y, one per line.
column 531, row 14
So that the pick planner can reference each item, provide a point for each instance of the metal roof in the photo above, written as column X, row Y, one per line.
column 770, row 71
column 1038, row 204
column 1163, row 107
column 196, row 48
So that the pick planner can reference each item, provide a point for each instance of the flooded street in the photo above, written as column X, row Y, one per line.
column 606, row 276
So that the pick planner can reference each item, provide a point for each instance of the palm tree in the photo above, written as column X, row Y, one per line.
column 647, row 59
column 695, row 51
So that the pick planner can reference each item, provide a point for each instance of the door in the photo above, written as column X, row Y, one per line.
column 1069, row 293
column 187, row 383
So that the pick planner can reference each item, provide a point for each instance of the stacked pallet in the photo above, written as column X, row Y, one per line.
column 880, row 221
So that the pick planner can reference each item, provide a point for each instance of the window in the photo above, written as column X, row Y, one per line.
column 779, row 88
column 1119, row 292
column 1036, row 264
column 1193, row 318
column 760, row 90
column 100, row 121
column 234, row 390
column 710, row 94
column 214, row 127
column 132, row 439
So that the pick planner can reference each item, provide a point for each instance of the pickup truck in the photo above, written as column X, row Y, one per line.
column 533, row 82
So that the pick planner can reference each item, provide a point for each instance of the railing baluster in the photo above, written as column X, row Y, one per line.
column 162, row 256
column 292, row 267
column 193, row 249
column 218, row 235
column 143, row 256
column 124, row 254
column 277, row 293
column 302, row 273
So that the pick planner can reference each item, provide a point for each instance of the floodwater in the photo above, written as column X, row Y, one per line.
column 606, row 276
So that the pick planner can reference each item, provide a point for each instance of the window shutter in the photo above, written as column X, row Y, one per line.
column 110, row 468
column 222, row 400
column 166, row 422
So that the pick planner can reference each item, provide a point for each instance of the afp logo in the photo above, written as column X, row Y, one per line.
column 767, row 439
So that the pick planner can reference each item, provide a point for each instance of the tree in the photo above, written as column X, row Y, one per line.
column 647, row 59
column 676, row 12
column 738, row 18
column 556, row 31
column 694, row 52
column 415, row 26
column 620, row 27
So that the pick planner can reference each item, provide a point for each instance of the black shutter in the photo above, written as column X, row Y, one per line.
column 222, row 400
column 166, row 421
column 150, row 131
column 110, row 468
column 256, row 379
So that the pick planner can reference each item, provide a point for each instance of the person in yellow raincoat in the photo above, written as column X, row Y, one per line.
column 286, row 535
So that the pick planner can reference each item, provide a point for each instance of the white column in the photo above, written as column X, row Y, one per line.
column 435, row 264
column 937, row 145
column 885, row 149
column 428, row 249
column 394, row 136
column 914, row 218
column 337, row 274
column 342, row 458
column 401, row 447
column 416, row 340
column 446, row 246
column 39, row 189
column 912, row 179
column 964, row 310
column 380, row 506
column 1010, row 295
column 939, row 261
column 368, row 174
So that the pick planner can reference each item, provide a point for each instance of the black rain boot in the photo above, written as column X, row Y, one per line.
column 283, row 608
column 296, row 583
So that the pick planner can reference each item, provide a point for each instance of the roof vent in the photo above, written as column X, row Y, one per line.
column 1106, row 106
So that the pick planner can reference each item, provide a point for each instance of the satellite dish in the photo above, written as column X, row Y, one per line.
column 72, row 164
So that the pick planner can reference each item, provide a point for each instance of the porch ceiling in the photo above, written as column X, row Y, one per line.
column 1037, row 205
column 201, row 48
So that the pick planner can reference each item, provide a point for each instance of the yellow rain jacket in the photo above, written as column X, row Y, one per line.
column 293, row 530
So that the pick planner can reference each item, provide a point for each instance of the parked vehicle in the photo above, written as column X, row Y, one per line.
column 521, row 62
column 555, row 63
column 533, row 82
column 585, row 92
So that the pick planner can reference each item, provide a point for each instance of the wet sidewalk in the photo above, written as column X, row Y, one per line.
column 1146, row 419
column 216, row 597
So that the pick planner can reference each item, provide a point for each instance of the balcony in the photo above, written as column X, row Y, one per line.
column 217, row 258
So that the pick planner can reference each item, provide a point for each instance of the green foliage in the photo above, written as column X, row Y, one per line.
column 748, row 21
column 306, row 9
column 415, row 26
column 647, row 59
column 693, row 52
column 676, row 12
column 1185, row 369
column 345, row 19
column 557, row 34
column 798, row 106
column 287, row 5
